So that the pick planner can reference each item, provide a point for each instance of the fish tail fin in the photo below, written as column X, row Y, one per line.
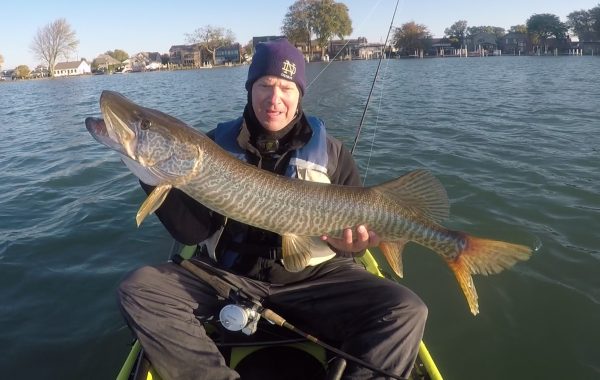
column 484, row 256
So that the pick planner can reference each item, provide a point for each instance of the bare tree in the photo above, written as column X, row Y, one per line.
column 53, row 40
column 211, row 38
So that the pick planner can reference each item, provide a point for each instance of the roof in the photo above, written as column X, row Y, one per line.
column 67, row 65
column 106, row 59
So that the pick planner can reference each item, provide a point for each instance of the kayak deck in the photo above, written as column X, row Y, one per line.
column 276, row 356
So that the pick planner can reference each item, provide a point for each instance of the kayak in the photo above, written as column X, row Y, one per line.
column 272, row 352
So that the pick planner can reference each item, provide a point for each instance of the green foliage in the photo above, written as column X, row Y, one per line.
column 411, row 37
column 546, row 25
column 595, row 15
column 22, row 72
column 495, row 30
column 325, row 19
column 330, row 19
column 585, row 24
column 456, row 33
column 119, row 55
column 297, row 22
column 518, row 29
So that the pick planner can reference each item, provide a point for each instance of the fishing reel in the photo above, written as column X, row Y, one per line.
column 240, row 316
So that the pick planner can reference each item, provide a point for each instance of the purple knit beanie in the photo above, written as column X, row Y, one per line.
column 278, row 58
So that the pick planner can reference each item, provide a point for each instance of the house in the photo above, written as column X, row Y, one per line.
column 186, row 55
column 590, row 47
column 228, row 54
column 514, row 43
column 442, row 47
column 146, row 61
column 370, row 51
column 39, row 72
column 483, row 43
column 63, row 69
column 104, row 61
column 346, row 49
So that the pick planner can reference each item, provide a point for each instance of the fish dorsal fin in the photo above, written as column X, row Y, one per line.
column 154, row 200
column 420, row 192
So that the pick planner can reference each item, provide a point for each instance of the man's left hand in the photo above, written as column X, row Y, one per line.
column 353, row 241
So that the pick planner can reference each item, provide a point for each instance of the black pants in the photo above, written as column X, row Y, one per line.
column 375, row 319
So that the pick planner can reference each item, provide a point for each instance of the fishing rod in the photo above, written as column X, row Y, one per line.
column 249, row 307
column 362, row 119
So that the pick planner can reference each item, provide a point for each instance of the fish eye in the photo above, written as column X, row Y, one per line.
column 145, row 124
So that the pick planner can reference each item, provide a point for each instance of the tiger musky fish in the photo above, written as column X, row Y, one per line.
column 165, row 152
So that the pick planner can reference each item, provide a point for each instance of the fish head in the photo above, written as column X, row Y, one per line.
column 156, row 147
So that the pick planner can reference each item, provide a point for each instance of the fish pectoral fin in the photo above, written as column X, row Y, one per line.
column 153, row 202
column 483, row 256
column 392, row 250
column 296, row 252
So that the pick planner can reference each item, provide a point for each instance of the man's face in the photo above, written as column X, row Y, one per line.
column 275, row 101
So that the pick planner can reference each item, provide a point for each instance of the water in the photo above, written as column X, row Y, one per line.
column 514, row 140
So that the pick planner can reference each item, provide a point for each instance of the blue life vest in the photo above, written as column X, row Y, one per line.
column 307, row 163
column 311, row 157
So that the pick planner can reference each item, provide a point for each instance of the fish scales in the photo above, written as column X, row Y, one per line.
column 165, row 152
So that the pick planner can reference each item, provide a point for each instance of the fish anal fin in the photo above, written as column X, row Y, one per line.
column 392, row 250
column 420, row 192
column 465, row 280
column 296, row 252
column 153, row 202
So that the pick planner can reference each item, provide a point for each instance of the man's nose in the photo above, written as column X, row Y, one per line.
column 275, row 95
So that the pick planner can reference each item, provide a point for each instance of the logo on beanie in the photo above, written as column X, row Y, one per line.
column 288, row 70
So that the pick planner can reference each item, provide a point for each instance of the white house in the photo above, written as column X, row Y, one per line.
column 63, row 69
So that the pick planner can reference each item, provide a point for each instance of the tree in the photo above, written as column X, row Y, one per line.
column 118, row 54
column 297, row 23
column 53, row 40
column 456, row 33
column 330, row 19
column 595, row 15
column 543, row 26
column 495, row 30
column 518, row 29
column 211, row 38
column 412, row 37
column 21, row 72
column 247, row 51
column 585, row 24
column 324, row 19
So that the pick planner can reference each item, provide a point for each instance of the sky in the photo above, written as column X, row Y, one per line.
column 136, row 26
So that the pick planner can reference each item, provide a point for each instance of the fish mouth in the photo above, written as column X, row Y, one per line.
column 120, row 117
column 99, row 131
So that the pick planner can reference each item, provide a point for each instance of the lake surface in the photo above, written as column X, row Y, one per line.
column 515, row 141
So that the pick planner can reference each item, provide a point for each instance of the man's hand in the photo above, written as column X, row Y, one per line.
column 351, row 242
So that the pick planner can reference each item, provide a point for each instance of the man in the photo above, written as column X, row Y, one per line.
column 375, row 319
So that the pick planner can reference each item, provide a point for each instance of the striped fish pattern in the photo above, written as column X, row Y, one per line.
column 165, row 152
